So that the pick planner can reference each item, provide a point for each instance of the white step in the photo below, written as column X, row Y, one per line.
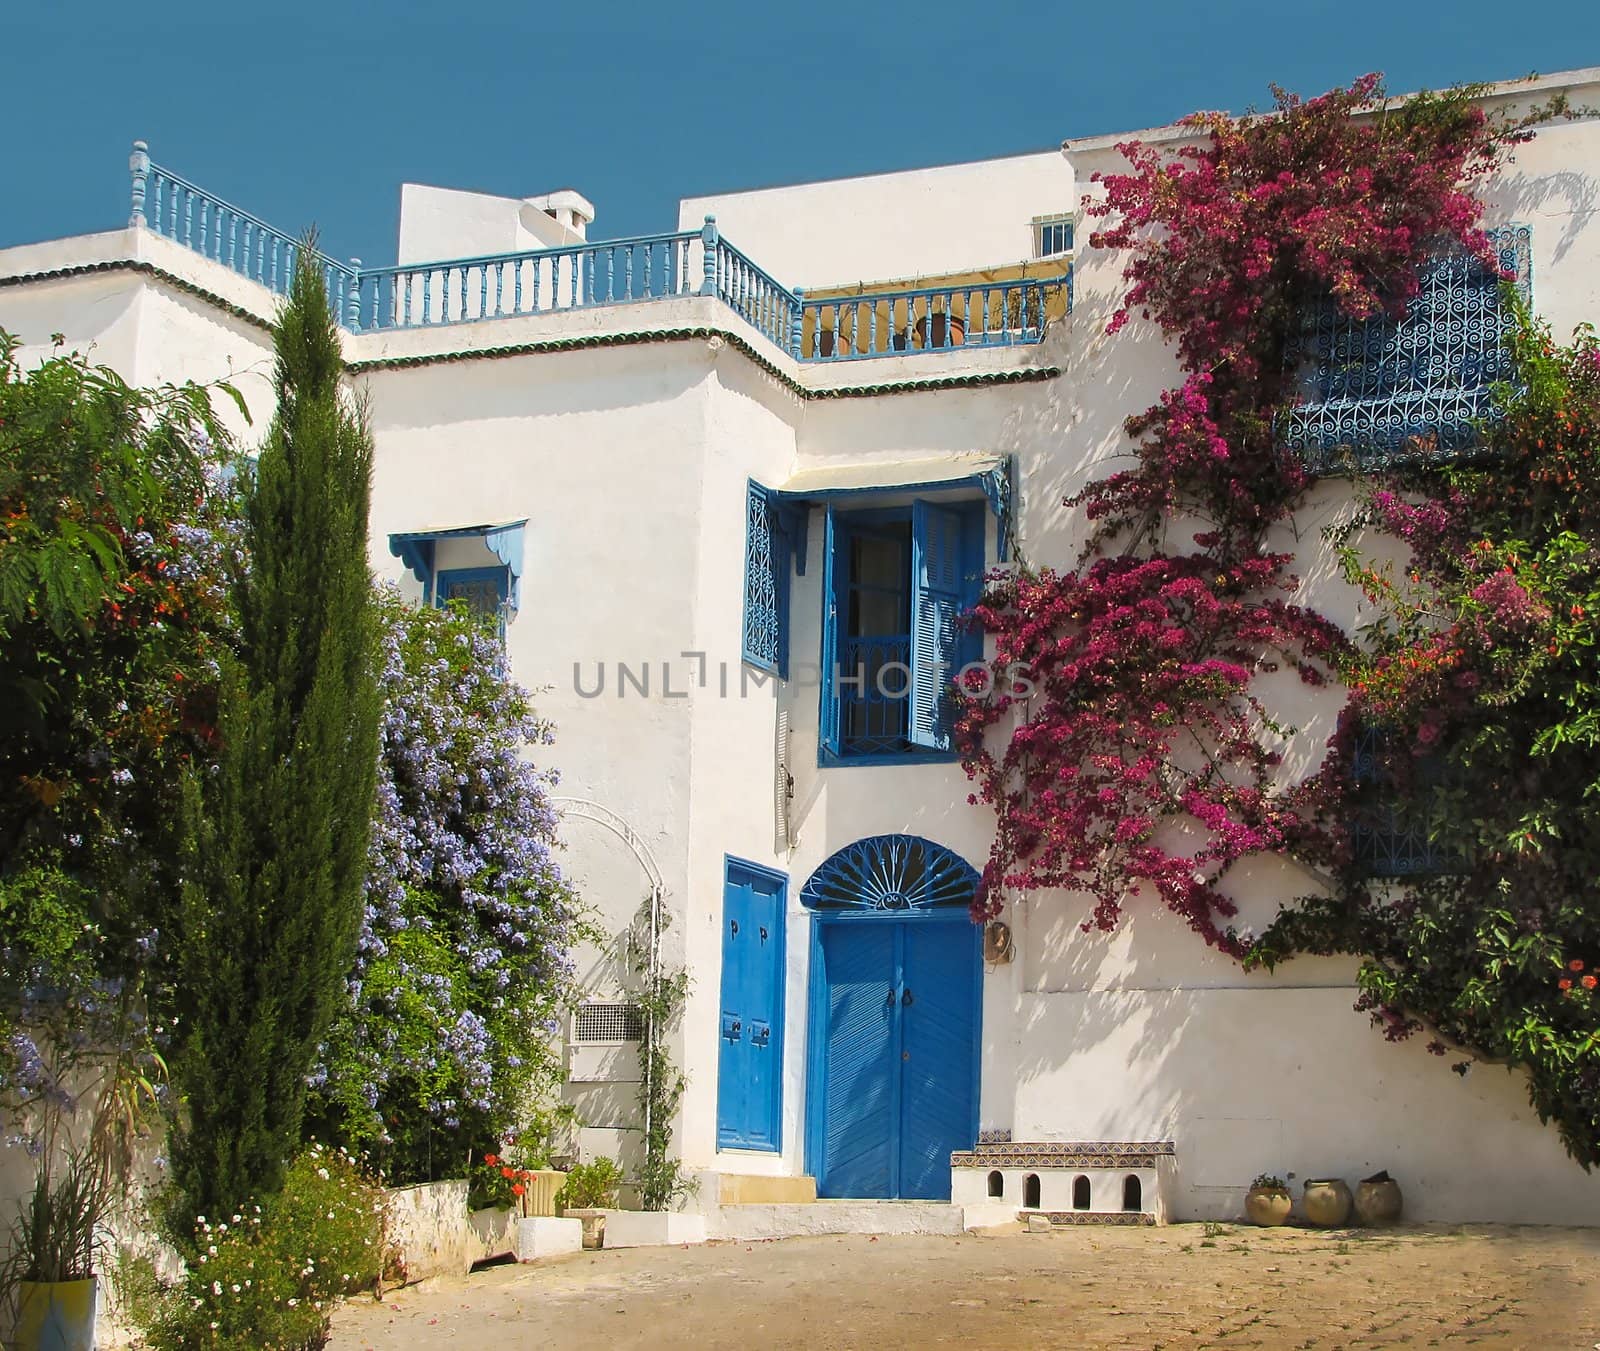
column 834, row 1217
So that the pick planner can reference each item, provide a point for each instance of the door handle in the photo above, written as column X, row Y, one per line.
column 889, row 1003
column 905, row 1000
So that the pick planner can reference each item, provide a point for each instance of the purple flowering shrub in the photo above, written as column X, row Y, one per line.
column 462, row 968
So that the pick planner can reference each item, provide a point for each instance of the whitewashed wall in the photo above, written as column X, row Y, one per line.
column 918, row 223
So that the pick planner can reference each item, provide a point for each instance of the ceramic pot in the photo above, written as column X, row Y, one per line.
column 55, row 1315
column 1268, row 1206
column 543, row 1184
column 594, row 1225
column 1378, row 1201
column 1326, row 1202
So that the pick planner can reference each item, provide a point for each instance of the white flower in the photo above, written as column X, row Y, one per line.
column 212, row 1250
column 293, row 1303
column 216, row 1287
column 236, row 1287
column 323, row 1174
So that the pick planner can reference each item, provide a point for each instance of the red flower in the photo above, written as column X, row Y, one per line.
column 1563, row 984
column 490, row 1159
column 1589, row 982
column 516, row 1189
column 1576, row 964
column 510, row 1172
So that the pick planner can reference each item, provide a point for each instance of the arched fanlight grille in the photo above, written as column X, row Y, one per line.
column 891, row 873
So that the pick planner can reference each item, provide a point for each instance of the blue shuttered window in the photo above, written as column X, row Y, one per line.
column 895, row 584
column 1374, row 393
column 769, row 529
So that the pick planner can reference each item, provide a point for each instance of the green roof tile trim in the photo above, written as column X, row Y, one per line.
column 732, row 339
column 974, row 380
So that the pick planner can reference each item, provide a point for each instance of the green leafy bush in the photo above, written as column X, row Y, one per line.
column 590, row 1185
column 269, row 1275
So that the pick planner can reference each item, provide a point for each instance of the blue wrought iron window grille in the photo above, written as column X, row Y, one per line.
column 893, row 874
column 1377, row 393
column 1389, row 834
column 896, row 582
column 773, row 536
column 484, row 592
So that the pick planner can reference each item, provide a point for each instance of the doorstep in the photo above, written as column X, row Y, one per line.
column 750, row 1222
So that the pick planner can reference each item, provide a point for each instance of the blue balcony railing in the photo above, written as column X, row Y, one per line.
column 605, row 272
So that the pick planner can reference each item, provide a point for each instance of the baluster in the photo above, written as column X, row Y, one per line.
column 352, row 297
column 837, row 330
column 611, row 273
column 427, row 288
column 405, row 302
column 708, row 246
column 499, row 287
column 516, row 286
column 272, row 250
column 627, row 270
column 233, row 237
column 796, row 322
column 483, row 290
column 205, row 217
column 582, row 263
column 538, row 267
column 188, row 218
column 139, row 167
column 649, row 267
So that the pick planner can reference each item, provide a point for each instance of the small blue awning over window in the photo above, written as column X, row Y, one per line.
column 415, row 548
column 994, row 475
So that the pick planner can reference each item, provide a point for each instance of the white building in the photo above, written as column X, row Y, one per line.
column 693, row 475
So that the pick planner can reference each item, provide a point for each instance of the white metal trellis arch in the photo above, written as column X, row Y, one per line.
column 588, row 810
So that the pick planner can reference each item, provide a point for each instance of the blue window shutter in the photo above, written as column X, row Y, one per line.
column 766, row 584
column 937, row 586
column 833, row 569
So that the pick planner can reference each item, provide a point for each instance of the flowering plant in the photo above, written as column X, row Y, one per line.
column 269, row 1274
column 462, row 966
column 496, row 1181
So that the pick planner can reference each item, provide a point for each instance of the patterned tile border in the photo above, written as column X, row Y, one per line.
column 1069, row 1218
column 1064, row 1154
column 995, row 1137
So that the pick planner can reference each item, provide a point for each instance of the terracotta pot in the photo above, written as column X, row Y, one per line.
column 55, row 1315
column 1326, row 1202
column 1378, row 1201
column 1268, row 1206
column 930, row 331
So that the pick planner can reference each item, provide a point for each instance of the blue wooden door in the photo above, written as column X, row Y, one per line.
column 895, row 1086
column 750, row 1026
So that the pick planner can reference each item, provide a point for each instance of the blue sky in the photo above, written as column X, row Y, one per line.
column 316, row 112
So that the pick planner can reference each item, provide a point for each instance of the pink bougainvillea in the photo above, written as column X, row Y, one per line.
column 1145, row 759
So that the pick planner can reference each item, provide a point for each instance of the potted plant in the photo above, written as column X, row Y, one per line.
column 589, row 1191
column 1268, row 1202
column 55, row 1243
column 79, row 1103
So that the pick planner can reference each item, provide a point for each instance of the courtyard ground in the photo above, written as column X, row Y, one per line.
column 1186, row 1286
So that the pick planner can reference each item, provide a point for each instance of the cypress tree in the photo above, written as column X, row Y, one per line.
column 278, row 829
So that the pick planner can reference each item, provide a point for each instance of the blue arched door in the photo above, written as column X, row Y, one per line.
column 896, row 986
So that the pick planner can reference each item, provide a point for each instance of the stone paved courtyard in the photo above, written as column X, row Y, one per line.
column 1187, row 1286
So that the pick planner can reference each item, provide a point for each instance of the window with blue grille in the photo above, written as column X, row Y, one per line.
column 770, row 526
column 1052, row 235
column 1377, row 392
column 895, row 584
column 1389, row 832
column 484, row 591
